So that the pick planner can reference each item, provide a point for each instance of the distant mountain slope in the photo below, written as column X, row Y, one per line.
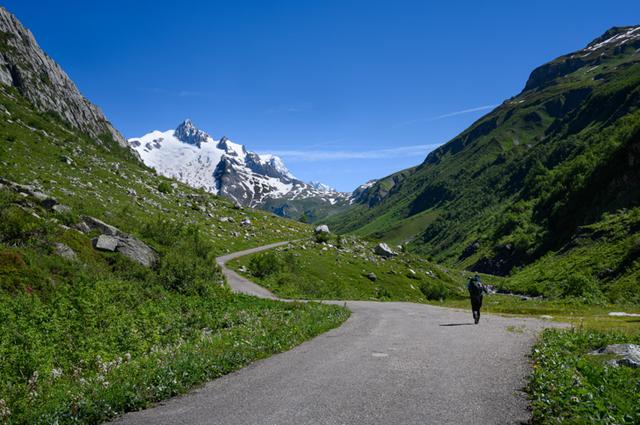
column 40, row 79
column 524, row 179
column 228, row 169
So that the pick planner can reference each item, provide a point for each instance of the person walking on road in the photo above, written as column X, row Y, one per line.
column 476, row 290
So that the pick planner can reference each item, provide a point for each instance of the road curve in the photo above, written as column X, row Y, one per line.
column 390, row 363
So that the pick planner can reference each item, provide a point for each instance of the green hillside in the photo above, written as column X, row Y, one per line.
column 88, row 333
column 531, row 180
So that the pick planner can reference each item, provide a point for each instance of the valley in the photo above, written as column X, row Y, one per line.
column 135, row 270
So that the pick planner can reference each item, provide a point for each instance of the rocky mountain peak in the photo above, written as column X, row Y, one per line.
column 187, row 132
column 612, row 43
column 25, row 66
column 321, row 186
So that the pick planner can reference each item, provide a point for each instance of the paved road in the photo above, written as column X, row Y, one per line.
column 390, row 363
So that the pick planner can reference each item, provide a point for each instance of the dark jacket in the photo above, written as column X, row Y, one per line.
column 475, row 287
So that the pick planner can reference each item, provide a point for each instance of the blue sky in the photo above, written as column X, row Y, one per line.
column 344, row 91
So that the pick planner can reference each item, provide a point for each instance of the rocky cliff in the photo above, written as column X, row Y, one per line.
column 25, row 66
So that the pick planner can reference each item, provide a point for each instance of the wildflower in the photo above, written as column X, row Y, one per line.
column 127, row 357
column 4, row 409
column 33, row 380
column 56, row 373
column 105, row 384
column 575, row 399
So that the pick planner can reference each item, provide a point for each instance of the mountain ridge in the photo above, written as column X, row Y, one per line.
column 228, row 169
column 37, row 77
column 524, row 180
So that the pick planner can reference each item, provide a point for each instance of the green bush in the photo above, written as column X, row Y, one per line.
column 434, row 291
column 164, row 187
column 582, row 286
column 322, row 237
column 266, row 264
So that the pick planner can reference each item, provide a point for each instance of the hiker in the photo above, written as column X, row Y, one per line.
column 476, row 288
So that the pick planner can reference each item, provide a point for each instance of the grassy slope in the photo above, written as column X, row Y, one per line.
column 526, row 179
column 86, row 338
column 308, row 270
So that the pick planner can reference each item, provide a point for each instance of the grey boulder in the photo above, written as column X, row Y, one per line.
column 130, row 247
column 137, row 251
column 323, row 228
column 106, row 243
column 99, row 225
column 628, row 354
column 61, row 209
column 64, row 251
column 383, row 250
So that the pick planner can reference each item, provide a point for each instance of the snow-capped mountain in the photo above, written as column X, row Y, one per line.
column 222, row 167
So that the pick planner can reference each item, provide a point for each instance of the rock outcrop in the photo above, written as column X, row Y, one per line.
column 114, row 240
column 626, row 354
column 383, row 250
column 25, row 66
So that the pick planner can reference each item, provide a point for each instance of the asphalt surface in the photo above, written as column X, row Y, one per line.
column 390, row 363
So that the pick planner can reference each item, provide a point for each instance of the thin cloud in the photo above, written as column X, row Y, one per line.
column 318, row 155
column 172, row 93
column 301, row 107
column 450, row 114
column 190, row 93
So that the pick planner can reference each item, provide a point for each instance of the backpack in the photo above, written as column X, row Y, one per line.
column 475, row 287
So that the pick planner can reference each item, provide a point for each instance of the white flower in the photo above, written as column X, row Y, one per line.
column 56, row 373
column 4, row 410
column 34, row 379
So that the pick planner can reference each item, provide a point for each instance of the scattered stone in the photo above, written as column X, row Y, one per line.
column 623, row 314
column 323, row 228
column 383, row 250
column 629, row 354
column 64, row 251
column 372, row 277
column 106, row 243
column 237, row 206
column 61, row 209
column 132, row 192
column 246, row 222
column 226, row 220
column 67, row 160
column 82, row 227
column 546, row 317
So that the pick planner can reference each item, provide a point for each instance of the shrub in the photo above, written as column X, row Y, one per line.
column 164, row 187
column 17, row 227
column 583, row 286
column 434, row 291
column 322, row 237
column 266, row 264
